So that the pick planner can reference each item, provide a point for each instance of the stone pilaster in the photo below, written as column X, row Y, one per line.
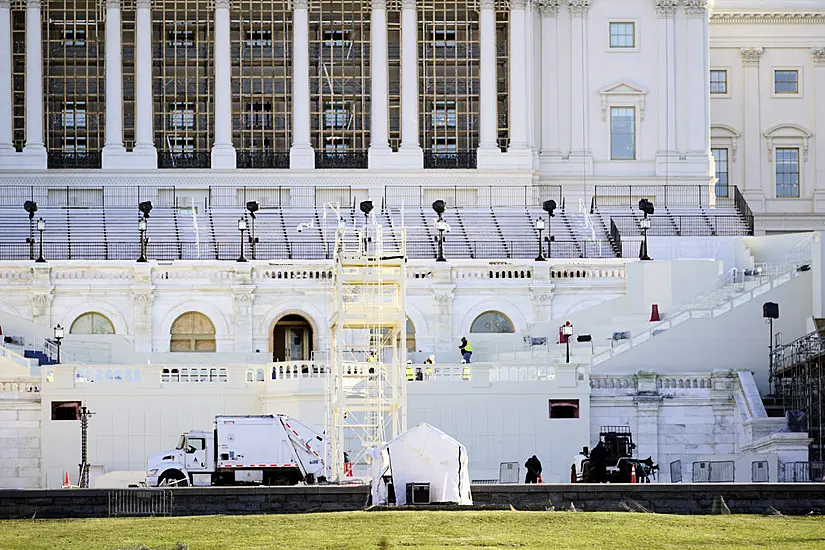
column 818, row 55
column 751, row 133
column 443, row 297
column 242, row 300
column 142, row 298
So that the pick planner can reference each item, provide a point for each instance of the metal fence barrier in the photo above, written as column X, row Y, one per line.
column 676, row 471
column 802, row 472
column 141, row 502
column 475, row 196
column 508, row 472
column 723, row 471
column 760, row 471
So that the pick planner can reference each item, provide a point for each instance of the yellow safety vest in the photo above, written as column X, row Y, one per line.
column 465, row 373
column 468, row 347
column 410, row 374
column 373, row 359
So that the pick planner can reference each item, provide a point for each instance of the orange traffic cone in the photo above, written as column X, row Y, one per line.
column 633, row 474
column 540, row 480
column 66, row 482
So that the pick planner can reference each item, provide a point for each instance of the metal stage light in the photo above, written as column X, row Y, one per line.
column 549, row 206
column 647, row 207
column 252, row 207
column 145, row 207
column 442, row 227
column 31, row 208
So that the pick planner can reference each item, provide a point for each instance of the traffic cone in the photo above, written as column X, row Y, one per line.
column 654, row 314
column 633, row 474
column 540, row 480
column 66, row 482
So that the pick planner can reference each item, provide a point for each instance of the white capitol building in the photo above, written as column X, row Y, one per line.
column 711, row 110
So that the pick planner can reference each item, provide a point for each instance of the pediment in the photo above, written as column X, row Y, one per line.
column 623, row 88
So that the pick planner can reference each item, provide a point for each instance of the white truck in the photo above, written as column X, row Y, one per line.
column 268, row 450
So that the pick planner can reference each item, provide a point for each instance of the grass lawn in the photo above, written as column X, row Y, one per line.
column 380, row 530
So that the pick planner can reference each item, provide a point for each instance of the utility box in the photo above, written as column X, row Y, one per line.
column 418, row 493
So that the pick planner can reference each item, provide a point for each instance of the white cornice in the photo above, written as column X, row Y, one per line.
column 721, row 17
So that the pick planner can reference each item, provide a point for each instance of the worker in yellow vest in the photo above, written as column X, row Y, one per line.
column 466, row 349
column 410, row 372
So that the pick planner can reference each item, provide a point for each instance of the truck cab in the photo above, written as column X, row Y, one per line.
column 194, row 454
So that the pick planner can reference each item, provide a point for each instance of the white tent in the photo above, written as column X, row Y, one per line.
column 423, row 454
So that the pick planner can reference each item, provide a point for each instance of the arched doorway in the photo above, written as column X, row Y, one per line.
column 192, row 331
column 292, row 339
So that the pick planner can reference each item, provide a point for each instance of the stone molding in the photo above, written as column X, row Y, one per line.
column 114, row 4
column 222, row 4
column 665, row 8
column 518, row 4
column 696, row 8
column 768, row 18
column 487, row 4
column 443, row 298
column 750, row 56
column 819, row 56
column 578, row 8
column 5, row 4
column 300, row 4
column 379, row 4
column 143, row 4
column 548, row 8
column 33, row 4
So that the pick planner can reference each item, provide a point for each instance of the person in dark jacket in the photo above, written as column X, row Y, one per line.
column 598, row 463
column 533, row 466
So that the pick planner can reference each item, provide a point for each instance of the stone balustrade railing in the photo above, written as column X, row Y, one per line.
column 501, row 374
column 663, row 382
column 18, row 385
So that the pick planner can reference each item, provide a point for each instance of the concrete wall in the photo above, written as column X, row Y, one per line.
column 20, row 439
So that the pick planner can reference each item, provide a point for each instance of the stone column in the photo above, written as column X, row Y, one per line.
column 380, row 154
column 580, row 147
column 666, row 86
column 34, row 149
column 301, row 155
column 223, row 153
column 443, row 297
column 550, row 147
column 242, row 298
column 114, row 86
column 698, row 97
column 518, row 77
column 144, row 134
column 751, row 132
column 6, row 130
column 142, row 298
column 647, row 424
column 487, row 70
column 410, row 152
column 819, row 138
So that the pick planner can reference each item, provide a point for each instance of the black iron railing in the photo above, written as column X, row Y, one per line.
column 687, row 196
column 693, row 225
column 615, row 239
column 63, row 160
column 199, row 159
column 278, row 196
column 93, row 196
column 262, row 159
column 472, row 196
column 449, row 160
column 344, row 160
column 744, row 208
column 802, row 472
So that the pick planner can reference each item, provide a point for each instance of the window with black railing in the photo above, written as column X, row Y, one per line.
column 18, row 74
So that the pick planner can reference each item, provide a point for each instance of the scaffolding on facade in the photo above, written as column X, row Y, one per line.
column 366, row 387
column 799, row 368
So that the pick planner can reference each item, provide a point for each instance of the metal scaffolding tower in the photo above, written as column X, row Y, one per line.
column 366, row 387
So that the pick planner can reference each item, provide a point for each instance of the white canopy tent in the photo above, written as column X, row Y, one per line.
column 423, row 454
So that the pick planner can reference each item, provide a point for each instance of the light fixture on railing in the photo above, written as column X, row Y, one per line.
column 567, row 332
column 647, row 207
column 41, row 227
column 442, row 227
column 58, row 337
column 549, row 206
column 242, row 227
column 540, row 228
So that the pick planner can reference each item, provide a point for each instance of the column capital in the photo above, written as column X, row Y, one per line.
column 143, row 4
column 379, row 4
column 221, row 4
column 5, row 4
column 750, row 56
column 548, row 8
column 578, row 8
column 300, row 4
column 113, row 4
column 408, row 4
column 665, row 9
column 33, row 4
column 819, row 56
column 696, row 8
column 487, row 4
column 518, row 4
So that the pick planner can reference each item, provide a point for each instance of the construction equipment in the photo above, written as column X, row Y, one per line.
column 242, row 450
column 622, row 467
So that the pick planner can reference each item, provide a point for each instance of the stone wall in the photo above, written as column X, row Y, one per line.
column 660, row 498
column 19, row 440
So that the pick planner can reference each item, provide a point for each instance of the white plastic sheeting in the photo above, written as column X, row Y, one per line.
column 423, row 454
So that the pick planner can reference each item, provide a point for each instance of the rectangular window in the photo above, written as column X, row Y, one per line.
column 444, row 38
column 74, row 114
column 259, row 37
column 721, row 158
column 65, row 410
column 336, row 37
column 786, row 82
column 718, row 82
column 180, row 38
column 181, row 115
column 180, row 144
column 74, row 144
column 336, row 114
column 444, row 145
column 623, row 133
column 787, row 172
column 74, row 36
column 564, row 408
column 258, row 115
column 444, row 114
column 622, row 35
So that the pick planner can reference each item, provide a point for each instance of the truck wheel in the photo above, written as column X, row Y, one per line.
column 173, row 479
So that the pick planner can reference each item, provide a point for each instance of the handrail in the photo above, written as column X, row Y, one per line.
column 16, row 357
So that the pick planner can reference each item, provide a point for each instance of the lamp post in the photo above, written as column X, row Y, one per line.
column 142, row 230
column 58, row 337
column 647, row 207
column 252, row 207
column 540, row 228
column 41, row 227
column 30, row 207
column 549, row 206
column 567, row 331
column 242, row 227
column 442, row 227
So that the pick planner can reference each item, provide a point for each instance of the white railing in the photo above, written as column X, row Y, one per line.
column 736, row 289
column 90, row 375
column 15, row 357
column 663, row 382
column 19, row 385
column 501, row 374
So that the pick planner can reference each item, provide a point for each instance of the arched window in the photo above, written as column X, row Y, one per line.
column 492, row 322
column 92, row 323
column 410, row 336
column 192, row 331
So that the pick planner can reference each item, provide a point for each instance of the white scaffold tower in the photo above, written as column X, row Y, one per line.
column 366, row 387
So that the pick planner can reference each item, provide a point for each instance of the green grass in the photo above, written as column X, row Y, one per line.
column 380, row 530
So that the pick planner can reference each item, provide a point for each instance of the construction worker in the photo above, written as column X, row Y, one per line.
column 410, row 372
column 598, row 463
column 430, row 360
column 533, row 466
column 466, row 349
column 373, row 358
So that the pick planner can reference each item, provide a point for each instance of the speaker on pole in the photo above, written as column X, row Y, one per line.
column 770, row 310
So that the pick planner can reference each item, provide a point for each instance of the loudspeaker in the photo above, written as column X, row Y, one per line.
column 770, row 310
column 797, row 421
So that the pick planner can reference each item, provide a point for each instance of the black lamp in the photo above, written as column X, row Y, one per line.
column 31, row 208
column 439, row 207
column 242, row 227
column 142, row 226
column 647, row 207
column 58, row 337
column 145, row 207
column 770, row 311
column 549, row 206
column 41, row 227
column 252, row 207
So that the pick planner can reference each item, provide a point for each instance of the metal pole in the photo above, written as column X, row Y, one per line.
column 568, row 347
column 241, row 258
column 540, row 257
column 142, row 246
column 41, row 259
column 252, row 239
column 771, row 388
column 549, row 236
column 58, row 350
column 85, row 413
